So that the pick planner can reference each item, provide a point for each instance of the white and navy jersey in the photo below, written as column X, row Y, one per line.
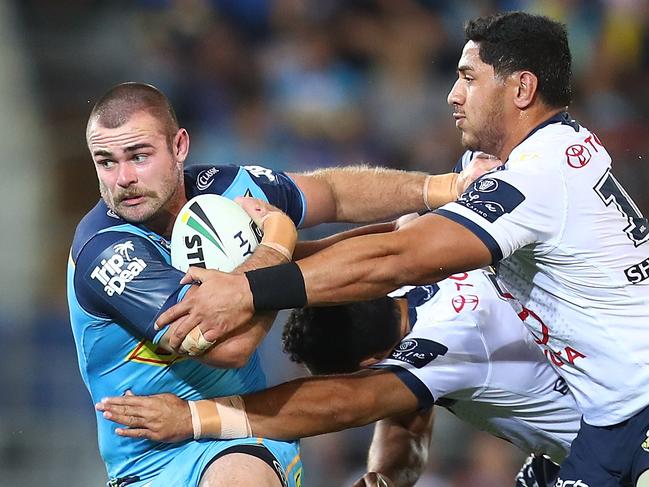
column 119, row 281
column 468, row 351
column 572, row 247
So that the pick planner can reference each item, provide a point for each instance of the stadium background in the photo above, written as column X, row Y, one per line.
column 290, row 84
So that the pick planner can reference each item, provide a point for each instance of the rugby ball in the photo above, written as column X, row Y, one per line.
column 212, row 232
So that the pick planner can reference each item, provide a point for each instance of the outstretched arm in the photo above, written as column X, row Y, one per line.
column 295, row 409
column 367, row 194
column 427, row 249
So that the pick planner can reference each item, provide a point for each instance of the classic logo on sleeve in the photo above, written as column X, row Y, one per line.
column 418, row 352
column 491, row 198
column 206, row 178
column 119, row 269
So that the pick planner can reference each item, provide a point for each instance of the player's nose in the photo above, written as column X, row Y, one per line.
column 126, row 175
column 454, row 96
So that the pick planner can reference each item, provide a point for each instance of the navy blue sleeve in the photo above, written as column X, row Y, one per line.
column 425, row 398
column 280, row 190
column 125, row 277
column 256, row 181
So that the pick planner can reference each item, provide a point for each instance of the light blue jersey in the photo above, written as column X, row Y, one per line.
column 119, row 280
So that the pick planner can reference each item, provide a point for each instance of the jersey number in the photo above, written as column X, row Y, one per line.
column 610, row 191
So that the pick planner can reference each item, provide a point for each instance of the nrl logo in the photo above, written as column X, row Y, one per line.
column 407, row 345
column 486, row 185
column 645, row 443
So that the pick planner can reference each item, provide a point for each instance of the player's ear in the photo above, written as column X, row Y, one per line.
column 525, row 84
column 180, row 145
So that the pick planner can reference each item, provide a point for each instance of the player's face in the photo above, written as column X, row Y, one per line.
column 478, row 98
column 140, row 176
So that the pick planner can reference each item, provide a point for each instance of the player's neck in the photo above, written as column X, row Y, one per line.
column 522, row 124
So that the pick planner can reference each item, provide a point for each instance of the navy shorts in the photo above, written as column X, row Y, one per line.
column 608, row 456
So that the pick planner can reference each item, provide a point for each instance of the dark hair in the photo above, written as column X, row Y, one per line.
column 335, row 339
column 118, row 105
column 515, row 41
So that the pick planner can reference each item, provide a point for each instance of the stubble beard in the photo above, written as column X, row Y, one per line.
column 150, row 212
column 489, row 136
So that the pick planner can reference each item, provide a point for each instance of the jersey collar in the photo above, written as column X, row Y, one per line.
column 561, row 117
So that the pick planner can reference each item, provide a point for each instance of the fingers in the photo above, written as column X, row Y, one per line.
column 173, row 314
column 180, row 329
column 128, row 400
column 136, row 433
column 374, row 479
column 256, row 209
column 195, row 343
column 132, row 406
column 196, row 274
column 401, row 221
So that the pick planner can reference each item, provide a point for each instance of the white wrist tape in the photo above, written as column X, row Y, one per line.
column 223, row 417
column 195, row 343
column 234, row 420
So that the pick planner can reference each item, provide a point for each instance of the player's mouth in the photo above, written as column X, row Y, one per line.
column 459, row 119
column 132, row 200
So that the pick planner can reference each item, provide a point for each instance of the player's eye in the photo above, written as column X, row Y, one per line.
column 106, row 163
column 140, row 157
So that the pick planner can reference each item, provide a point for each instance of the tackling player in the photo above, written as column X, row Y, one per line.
column 569, row 243
column 120, row 279
column 459, row 344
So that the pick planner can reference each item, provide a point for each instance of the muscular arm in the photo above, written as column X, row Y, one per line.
column 428, row 249
column 306, row 248
column 399, row 448
column 360, row 193
column 369, row 194
column 295, row 409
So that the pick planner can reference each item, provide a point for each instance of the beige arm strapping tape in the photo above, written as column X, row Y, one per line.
column 439, row 190
column 195, row 343
column 223, row 417
column 279, row 233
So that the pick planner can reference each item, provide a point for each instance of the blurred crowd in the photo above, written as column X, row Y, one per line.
column 292, row 85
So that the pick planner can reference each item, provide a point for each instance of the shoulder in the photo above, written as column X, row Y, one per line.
column 210, row 179
column 557, row 147
column 97, row 220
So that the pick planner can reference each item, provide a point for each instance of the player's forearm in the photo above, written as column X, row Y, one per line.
column 306, row 248
column 234, row 352
column 425, row 250
column 262, row 257
column 365, row 194
column 371, row 266
column 399, row 447
column 317, row 405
